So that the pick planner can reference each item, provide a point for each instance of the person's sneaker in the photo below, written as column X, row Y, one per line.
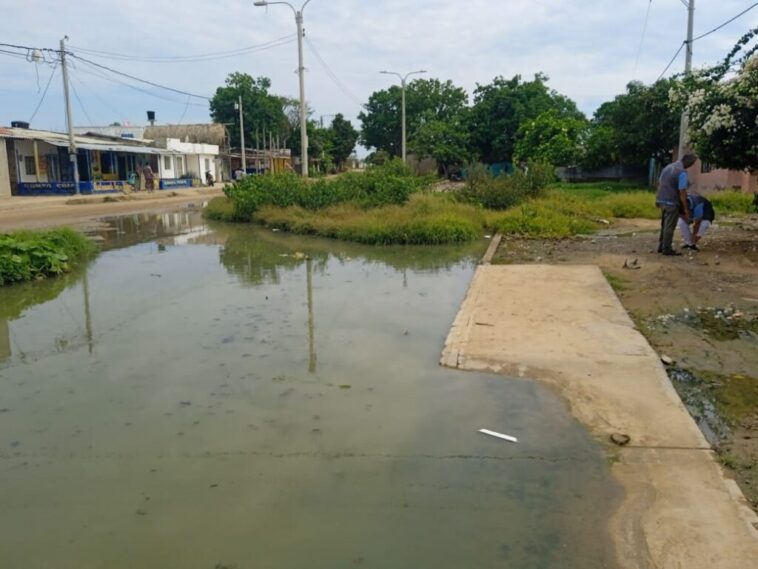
column 671, row 253
column 694, row 248
column 686, row 246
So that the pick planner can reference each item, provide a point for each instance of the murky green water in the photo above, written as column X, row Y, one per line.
column 233, row 397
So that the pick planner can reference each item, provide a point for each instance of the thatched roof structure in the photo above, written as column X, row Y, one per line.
column 210, row 133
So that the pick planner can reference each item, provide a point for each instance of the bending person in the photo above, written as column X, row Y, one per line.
column 701, row 210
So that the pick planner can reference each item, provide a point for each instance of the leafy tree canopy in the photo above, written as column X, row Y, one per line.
column 261, row 110
column 550, row 138
column 426, row 100
column 343, row 139
column 501, row 107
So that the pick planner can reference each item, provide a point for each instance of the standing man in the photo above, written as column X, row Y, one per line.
column 147, row 171
column 672, row 199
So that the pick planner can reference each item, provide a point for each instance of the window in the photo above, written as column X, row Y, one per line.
column 705, row 167
column 30, row 166
column 207, row 164
column 167, row 162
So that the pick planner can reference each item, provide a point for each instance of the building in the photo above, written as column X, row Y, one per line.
column 36, row 162
column 705, row 178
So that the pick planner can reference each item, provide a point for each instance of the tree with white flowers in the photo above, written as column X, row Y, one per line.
column 722, row 105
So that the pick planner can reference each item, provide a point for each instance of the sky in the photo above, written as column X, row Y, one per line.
column 590, row 49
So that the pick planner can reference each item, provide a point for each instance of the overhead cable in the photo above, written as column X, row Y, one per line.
column 44, row 93
column 729, row 21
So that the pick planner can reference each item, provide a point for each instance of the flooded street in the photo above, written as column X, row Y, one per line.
column 214, row 396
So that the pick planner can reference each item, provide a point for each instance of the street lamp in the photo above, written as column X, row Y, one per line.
column 403, row 82
column 301, row 72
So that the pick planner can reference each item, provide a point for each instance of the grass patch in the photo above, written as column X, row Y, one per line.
column 617, row 283
column 34, row 255
column 734, row 203
column 219, row 209
column 425, row 219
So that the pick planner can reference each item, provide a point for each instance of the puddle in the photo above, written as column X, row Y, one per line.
column 206, row 396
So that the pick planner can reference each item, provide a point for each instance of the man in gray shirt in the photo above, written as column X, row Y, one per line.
column 672, row 199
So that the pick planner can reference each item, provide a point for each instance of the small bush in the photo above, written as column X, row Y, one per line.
column 507, row 190
column 220, row 209
column 729, row 202
column 27, row 255
column 379, row 186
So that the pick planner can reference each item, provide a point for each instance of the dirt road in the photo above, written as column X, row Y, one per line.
column 38, row 212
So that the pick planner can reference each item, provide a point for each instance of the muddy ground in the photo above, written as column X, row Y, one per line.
column 700, row 310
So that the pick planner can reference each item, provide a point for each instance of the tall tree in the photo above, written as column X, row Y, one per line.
column 501, row 107
column 446, row 141
column 343, row 139
column 261, row 110
column 635, row 126
column 550, row 138
column 426, row 100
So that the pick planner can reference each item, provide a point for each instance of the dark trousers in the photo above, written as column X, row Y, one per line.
column 669, row 218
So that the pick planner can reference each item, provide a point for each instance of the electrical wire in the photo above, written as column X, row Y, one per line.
column 138, row 79
column 44, row 93
column 81, row 105
column 185, row 111
column 341, row 86
column 717, row 28
column 95, row 94
column 678, row 51
column 642, row 38
column 190, row 58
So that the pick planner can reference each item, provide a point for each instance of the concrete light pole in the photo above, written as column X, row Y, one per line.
column 301, row 73
column 238, row 105
column 684, row 124
column 403, row 83
column 69, row 119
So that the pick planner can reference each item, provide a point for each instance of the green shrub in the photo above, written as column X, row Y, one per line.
column 631, row 205
column 378, row 186
column 730, row 202
column 506, row 190
column 220, row 209
column 27, row 255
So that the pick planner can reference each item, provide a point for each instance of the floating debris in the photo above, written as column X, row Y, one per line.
column 508, row 438
column 620, row 439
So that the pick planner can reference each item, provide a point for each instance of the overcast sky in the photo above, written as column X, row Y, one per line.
column 588, row 48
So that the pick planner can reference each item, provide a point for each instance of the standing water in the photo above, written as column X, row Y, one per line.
column 213, row 396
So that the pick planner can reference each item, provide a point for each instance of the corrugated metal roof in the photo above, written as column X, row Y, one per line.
column 85, row 142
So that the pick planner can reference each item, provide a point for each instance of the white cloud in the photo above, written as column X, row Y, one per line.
column 587, row 47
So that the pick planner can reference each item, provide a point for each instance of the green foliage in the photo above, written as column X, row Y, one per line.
column 426, row 219
column 27, row 255
column 500, row 109
column 445, row 141
column 261, row 110
column 220, row 209
column 550, row 138
column 427, row 100
column 343, row 139
column 378, row 186
column 634, row 126
column 723, row 113
column 504, row 191
column 732, row 202
column 539, row 218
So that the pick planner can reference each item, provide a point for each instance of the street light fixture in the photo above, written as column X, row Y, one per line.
column 301, row 72
column 403, row 82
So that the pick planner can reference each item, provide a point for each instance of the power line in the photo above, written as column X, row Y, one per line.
column 86, row 114
column 341, row 86
column 642, row 38
column 284, row 40
column 133, row 78
column 95, row 94
column 44, row 93
column 717, row 28
column 678, row 51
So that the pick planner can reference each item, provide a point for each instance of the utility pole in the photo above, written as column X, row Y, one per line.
column 403, row 83
column 69, row 120
column 684, row 124
column 242, row 134
column 301, row 74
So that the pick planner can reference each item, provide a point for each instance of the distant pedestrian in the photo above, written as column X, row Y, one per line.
column 147, row 172
column 702, row 216
column 672, row 199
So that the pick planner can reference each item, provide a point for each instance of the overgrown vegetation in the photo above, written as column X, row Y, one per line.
column 505, row 191
column 30, row 255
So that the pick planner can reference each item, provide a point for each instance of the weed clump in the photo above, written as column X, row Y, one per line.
column 505, row 191
column 29, row 255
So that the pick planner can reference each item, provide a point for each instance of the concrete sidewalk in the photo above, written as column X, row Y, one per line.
column 563, row 325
